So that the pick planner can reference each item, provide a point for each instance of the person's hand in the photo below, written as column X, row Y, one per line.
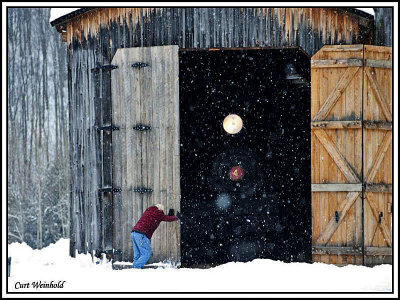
column 178, row 215
column 171, row 212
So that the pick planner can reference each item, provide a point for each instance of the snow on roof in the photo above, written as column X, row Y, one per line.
column 368, row 10
column 56, row 13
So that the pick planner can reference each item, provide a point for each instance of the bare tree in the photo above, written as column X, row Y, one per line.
column 37, row 131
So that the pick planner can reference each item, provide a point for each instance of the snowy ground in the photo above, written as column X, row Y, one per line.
column 261, row 275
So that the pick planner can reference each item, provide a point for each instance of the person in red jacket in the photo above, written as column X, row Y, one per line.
column 143, row 231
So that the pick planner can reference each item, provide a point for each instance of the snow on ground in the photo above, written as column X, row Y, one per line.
column 261, row 275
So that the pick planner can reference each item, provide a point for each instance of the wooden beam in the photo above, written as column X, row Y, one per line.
column 336, row 63
column 382, row 226
column 355, row 48
column 336, row 250
column 379, row 95
column 379, row 157
column 336, row 124
column 378, row 49
column 339, row 159
column 379, row 251
column 335, row 94
column 378, row 188
column 333, row 225
column 378, row 125
column 378, row 63
column 336, row 187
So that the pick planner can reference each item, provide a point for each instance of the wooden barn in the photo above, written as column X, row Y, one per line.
column 307, row 176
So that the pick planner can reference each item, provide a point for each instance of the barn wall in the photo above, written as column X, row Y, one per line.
column 90, row 148
column 94, row 37
column 383, row 29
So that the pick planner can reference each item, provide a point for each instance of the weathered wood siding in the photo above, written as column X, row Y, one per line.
column 383, row 29
column 150, row 158
column 94, row 37
column 351, row 96
column 90, row 148
column 309, row 28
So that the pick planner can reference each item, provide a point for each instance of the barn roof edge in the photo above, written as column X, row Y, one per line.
column 70, row 15
column 77, row 12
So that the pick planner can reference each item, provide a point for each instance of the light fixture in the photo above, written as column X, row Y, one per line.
column 232, row 124
column 291, row 72
column 294, row 77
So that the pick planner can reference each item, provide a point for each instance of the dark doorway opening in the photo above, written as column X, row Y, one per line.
column 245, row 195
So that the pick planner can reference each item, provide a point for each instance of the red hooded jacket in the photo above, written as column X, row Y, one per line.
column 150, row 220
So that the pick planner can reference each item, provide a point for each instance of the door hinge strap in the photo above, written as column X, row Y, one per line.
column 142, row 190
column 110, row 190
column 139, row 65
column 141, row 127
column 109, row 127
column 104, row 68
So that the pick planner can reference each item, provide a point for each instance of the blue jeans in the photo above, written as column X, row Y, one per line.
column 141, row 249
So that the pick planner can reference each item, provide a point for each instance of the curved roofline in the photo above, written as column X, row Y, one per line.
column 78, row 12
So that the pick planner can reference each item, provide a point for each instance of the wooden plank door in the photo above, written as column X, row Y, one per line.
column 377, row 141
column 145, row 101
column 336, row 145
column 352, row 154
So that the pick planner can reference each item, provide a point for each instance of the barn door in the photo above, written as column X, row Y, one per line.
column 351, row 155
column 377, row 140
column 336, row 154
column 145, row 104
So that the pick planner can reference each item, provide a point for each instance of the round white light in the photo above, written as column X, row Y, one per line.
column 233, row 124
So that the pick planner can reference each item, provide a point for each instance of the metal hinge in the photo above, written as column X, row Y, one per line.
column 141, row 127
column 104, row 68
column 109, row 127
column 139, row 65
column 142, row 190
column 110, row 190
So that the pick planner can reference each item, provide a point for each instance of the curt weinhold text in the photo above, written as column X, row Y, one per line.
column 40, row 285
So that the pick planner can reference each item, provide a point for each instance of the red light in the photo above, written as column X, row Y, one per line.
column 236, row 173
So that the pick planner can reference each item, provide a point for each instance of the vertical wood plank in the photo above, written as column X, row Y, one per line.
column 155, row 139
column 128, row 166
column 162, row 165
column 167, row 120
column 145, row 98
column 117, row 159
